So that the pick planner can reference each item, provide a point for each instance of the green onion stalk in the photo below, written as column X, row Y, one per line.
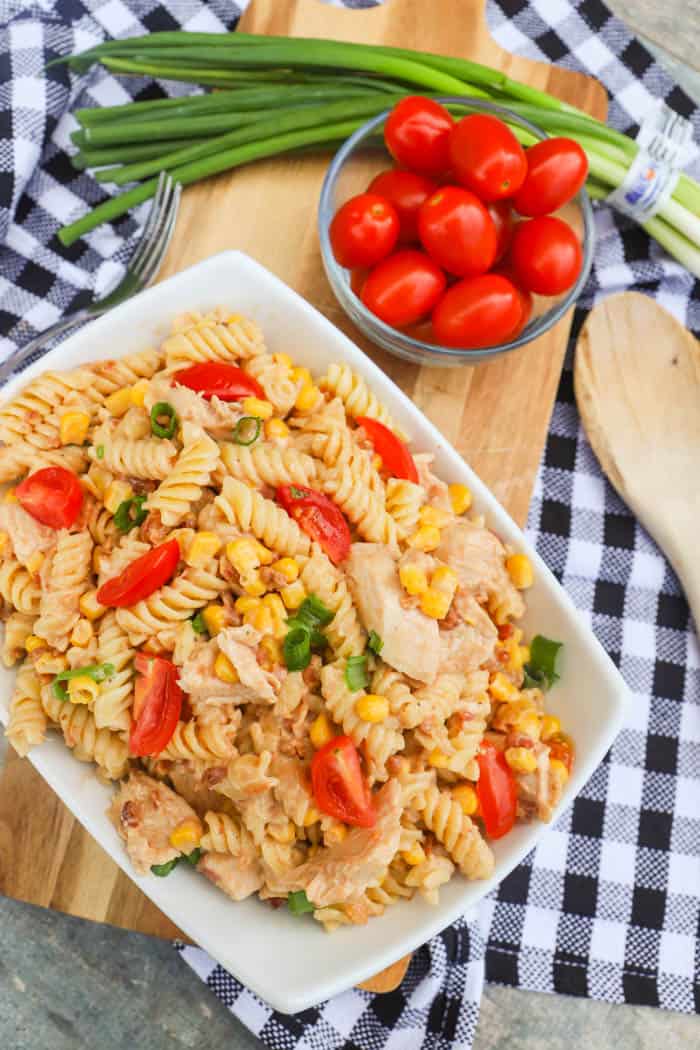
column 279, row 95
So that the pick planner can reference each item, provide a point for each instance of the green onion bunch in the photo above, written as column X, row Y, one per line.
column 279, row 94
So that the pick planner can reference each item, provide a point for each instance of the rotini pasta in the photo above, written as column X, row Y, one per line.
column 183, row 485
column 27, row 725
column 67, row 578
column 147, row 458
column 19, row 588
column 177, row 601
column 379, row 741
column 357, row 396
column 265, row 464
column 251, row 512
column 115, row 697
column 210, row 339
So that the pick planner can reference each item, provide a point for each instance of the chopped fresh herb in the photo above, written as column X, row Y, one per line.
column 296, row 649
column 130, row 513
column 541, row 668
column 298, row 903
column 356, row 676
column 97, row 672
column 375, row 643
column 247, row 430
column 198, row 623
column 296, row 493
column 193, row 857
column 100, row 451
column 164, row 869
column 163, row 420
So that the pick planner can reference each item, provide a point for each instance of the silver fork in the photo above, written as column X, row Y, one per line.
column 142, row 268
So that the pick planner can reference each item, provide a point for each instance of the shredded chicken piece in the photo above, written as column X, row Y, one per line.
column 145, row 812
column 238, row 877
column 215, row 416
column 239, row 644
column 478, row 557
column 27, row 535
column 471, row 641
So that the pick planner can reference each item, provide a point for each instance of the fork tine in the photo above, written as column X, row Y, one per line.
column 160, row 247
column 151, row 222
column 160, row 217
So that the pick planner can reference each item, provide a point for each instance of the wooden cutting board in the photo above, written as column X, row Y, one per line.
column 495, row 414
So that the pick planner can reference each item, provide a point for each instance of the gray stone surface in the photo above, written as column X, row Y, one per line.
column 67, row 984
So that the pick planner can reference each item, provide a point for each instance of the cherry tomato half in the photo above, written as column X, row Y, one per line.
column 486, row 157
column 417, row 134
column 504, row 221
column 141, row 577
column 403, row 288
column 546, row 255
column 556, row 171
column 218, row 379
column 478, row 311
column 363, row 230
column 157, row 705
column 53, row 496
column 319, row 517
column 407, row 191
column 457, row 231
column 339, row 788
column 497, row 792
column 396, row 458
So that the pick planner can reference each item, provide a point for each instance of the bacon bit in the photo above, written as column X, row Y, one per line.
column 214, row 775
column 276, row 902
column 502, row 656
column 274, row 580
column 153, row 530
column 505, row 631
column 452, row 620
column 129, row 816
column 515, row 739
column 141, row 485
column 228, row 572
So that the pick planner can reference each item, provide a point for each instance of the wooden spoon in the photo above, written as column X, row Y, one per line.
column 637, row 384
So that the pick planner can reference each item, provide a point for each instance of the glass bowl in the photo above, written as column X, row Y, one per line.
column 353, row 167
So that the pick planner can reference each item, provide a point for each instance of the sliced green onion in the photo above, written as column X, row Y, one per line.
column 247, row 430
column 299, row 904
column 541, row 668
column 375, row 643
column 313, row 612
column 100, row 451
column 356, row 676
column 297, row 649
column 193, row 857
column 296, row 493
column 159, row 411
column 198, row 623
column 164, row 869
column 130, row 513
column 97, row 672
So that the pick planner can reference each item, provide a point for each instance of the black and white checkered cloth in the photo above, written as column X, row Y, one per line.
column 608, row 905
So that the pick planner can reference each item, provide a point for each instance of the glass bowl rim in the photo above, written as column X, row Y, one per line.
column 389, row 337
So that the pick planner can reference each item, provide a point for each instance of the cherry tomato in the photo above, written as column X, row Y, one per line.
column 357, row 281
column 218, row 379
column 524, row 296
column 478, row 311
column 486, row 157
column 545, row 255
column 556, row 171
column 396, row 458
column 141, row 577
column 503, row 219
column 417, row 134
column 319, row 517
column 53, row 496
column 364, row 230
column 157, row 705
column 339, row 788
column 404, row 287
column 457, row 231
column 497, row 792
column 407, row 191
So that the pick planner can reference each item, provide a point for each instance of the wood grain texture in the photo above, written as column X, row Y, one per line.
column 495, row 414
column 637, row 384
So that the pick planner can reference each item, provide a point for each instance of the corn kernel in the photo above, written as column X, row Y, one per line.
column 243, row 555
column 524, row 654
column 73, row 428
column 283, row 359
column 467, row 798
column 202, row 548
column 336, row 834
column 287, row 567
column 137, row 393
column 253, row 583
column 89, row 605
column 255, row 406
column 215, row 618
column 427, row 538
column 31, row 642
column 187, row 835
column 413, row 580
column 521, row 759
column 82, row 689
column 414, row 855
column 266, row 556
column 97, row 555
column 224, row 669
column 301, row 375
column 274, row 603
column 118, row 403
column 276, row 428
column 529, row 725
column 377, row 461
column 434, row 516
column 311, row 816
column 184, row 537
column 261, row 620
column 117, row 492
column 307, row 398
column 293, row 595
column 98, row 480
column 550, row 725
column 435, row 604
column 34, row 562
column 320, row 732
column 437, row 758
column 82, row 633
column 372, row 708
column 444, row 580
column 272, row 650
column 501, row 688
column 284, row 834
column 244, row 604
column 460, row 498
column 557, row 766
column 4, row 540
column 520, row 571
column 10, row 496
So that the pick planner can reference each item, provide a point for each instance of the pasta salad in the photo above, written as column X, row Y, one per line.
column 232, row 587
